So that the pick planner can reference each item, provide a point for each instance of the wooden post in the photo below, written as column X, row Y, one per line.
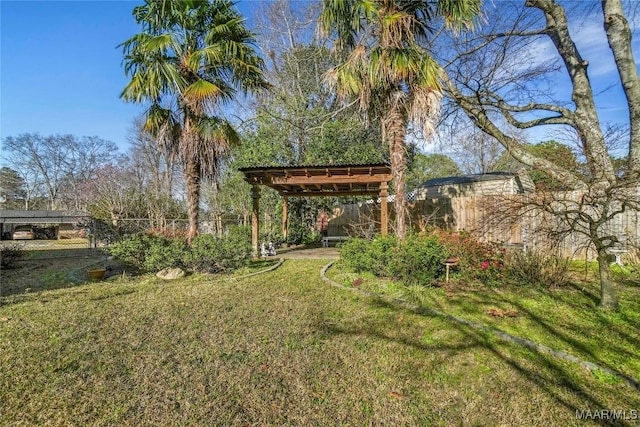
column 384, row 210
column 255, row 221
column 285, row 217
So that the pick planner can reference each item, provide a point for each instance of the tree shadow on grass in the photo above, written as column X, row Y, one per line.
column 573, row 334
column 548, row 375
column 589, row 293
column 368, row 329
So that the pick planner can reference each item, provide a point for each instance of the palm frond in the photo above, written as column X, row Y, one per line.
column 132, row 42
column 459, row 14
column 211, row 54
column 135, row 90
column 157, row 44
column 424, row 109
column 163, row 124
column 157, row 118
column 209, row 140
column 230, row 29
column 221, row 130
column 344, row 19
column 201, row 91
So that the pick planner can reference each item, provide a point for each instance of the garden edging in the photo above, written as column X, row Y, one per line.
column 266, row 270
column 503, row 335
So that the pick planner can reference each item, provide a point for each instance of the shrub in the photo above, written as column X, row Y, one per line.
column 212, row 254
column 164, row 252
column 131, row 250
column 477, row 260
column 418, row 259
column 382, row 251
column 203, row 254
column 537, row 268
column 311, row 239
column 297, row 233
column 492, row 271
column 10, row 254
column 354, row 254
column 150, row 252
column 369, row 255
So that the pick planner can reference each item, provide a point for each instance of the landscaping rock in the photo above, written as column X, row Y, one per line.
column 171, row 273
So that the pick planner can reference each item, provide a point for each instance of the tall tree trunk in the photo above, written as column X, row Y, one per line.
column 619, row 36
column 608, row 298
column 394, row 134
column 192, row 183
column 585, row 116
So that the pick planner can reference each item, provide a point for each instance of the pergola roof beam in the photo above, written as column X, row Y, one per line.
column 319, row 181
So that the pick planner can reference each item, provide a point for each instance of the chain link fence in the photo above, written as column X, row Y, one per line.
column 52, row 234
column 49, row 233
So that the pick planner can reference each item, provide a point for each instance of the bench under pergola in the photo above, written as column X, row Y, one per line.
column 318, row 181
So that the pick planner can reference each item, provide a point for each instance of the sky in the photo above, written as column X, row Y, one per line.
column 61, row 71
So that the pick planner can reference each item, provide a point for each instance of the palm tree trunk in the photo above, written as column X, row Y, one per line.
column 394, row 133
column 192, row 182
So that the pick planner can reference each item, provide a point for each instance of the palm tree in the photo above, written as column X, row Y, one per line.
column 190, row 58
column 388, row 69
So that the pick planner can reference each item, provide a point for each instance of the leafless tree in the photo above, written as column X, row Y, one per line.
column 84, row 157
column 58, row 164
column 156, row 174
column 111, row 194
column 511, row 69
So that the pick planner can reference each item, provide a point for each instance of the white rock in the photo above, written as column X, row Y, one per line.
column 171, row 273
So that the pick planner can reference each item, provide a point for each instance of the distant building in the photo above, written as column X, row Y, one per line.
column 488, row 184
column 52, row 224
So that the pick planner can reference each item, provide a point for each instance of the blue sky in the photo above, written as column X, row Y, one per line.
column 61, row 71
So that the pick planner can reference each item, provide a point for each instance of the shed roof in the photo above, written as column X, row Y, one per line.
column 469, row 179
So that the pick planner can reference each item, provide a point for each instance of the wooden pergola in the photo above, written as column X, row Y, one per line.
column 318, row 180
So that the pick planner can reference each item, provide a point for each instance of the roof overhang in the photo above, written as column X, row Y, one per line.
column 319, row 180
column 42, row 217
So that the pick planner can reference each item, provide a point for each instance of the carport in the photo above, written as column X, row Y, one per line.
column 317, row 181
column 12, row 218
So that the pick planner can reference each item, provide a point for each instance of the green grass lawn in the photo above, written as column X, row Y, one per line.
column 564, row 319
column 284, row 348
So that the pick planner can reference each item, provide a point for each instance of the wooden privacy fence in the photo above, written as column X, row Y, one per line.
column 490, row 219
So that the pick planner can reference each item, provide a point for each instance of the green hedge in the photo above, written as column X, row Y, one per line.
column 152, row 253
column 420, row 260
column 212, row 254
column 417, row 260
